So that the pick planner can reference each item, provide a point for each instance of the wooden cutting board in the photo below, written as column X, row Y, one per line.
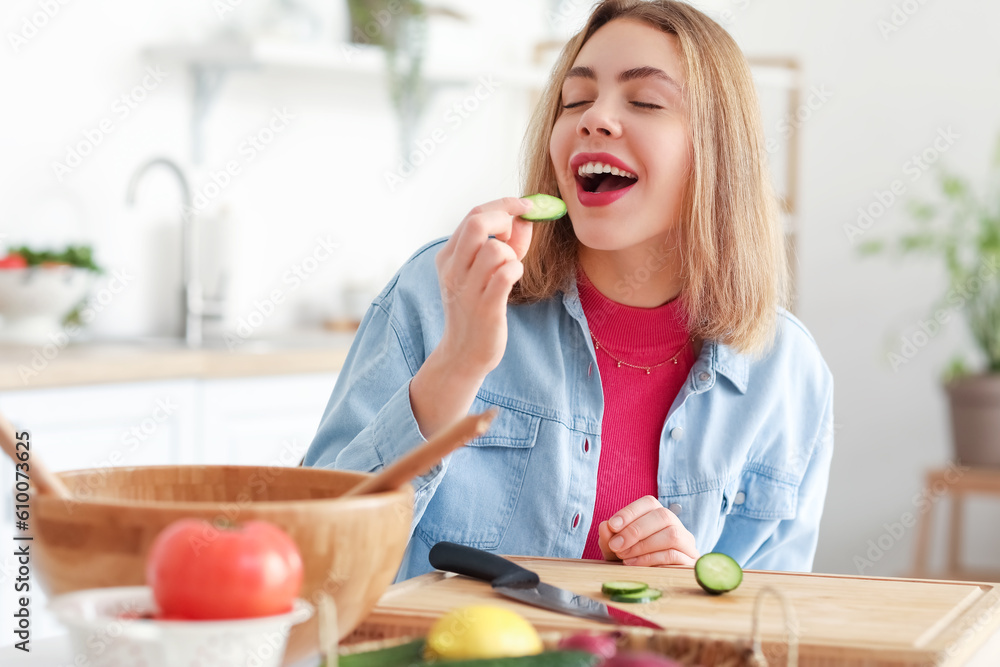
column 842, row 620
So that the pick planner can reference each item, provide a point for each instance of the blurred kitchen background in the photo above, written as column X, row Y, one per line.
column 312, row 175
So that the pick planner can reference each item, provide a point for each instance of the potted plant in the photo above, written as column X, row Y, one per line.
column 400, row 28
column 962, row 229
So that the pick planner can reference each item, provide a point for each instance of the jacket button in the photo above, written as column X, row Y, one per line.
column 740, row 498
column 675, row 508
column 704, row 377
column 677, row 433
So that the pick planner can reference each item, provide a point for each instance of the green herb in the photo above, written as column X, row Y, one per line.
column 409, row 654
column 80, row 256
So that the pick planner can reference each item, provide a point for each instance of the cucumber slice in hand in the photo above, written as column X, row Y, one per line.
column 622, row 587
column 545, row 207
column 717, row 573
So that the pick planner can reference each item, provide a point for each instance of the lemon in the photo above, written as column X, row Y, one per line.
column 481, row 631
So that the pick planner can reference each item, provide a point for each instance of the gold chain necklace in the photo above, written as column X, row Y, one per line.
column 648, row 369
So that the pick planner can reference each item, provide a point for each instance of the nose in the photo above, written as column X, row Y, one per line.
column 599, row 119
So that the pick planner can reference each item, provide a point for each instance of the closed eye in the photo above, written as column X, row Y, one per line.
column 641, row 105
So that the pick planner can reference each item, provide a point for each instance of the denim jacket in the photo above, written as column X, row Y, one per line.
column 744, row 453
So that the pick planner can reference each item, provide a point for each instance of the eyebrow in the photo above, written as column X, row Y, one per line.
column 645, row 72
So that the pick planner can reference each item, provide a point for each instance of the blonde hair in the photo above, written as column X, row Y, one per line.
column 731, row 246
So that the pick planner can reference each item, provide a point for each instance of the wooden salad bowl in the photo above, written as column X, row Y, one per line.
column 351, row 547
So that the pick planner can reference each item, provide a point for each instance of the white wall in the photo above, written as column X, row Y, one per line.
column 890, row 96
column 324, row 175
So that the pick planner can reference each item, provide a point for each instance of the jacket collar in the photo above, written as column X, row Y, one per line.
column 726, row 361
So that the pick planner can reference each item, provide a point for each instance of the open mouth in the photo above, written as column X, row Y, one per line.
column 598, row 177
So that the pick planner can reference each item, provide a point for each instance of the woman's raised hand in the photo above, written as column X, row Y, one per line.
column 646, row 533
column 476, row 274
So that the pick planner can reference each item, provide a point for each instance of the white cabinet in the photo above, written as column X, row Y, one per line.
column 262, row 421
column 138, row 423
column 255, row 420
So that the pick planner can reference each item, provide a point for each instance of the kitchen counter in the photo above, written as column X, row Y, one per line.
column 99, row 362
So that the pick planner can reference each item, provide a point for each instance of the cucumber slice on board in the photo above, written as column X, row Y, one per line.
column 622, row 587
column 717, row 573
column 545, row 207
column 645, row 595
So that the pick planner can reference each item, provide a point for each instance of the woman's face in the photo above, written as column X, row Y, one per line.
column 623, row 114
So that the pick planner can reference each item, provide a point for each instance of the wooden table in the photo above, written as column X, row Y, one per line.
column 957, row 483
column 842, row 620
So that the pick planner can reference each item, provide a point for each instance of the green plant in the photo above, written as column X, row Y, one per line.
column 963, row 230
column 400, row 28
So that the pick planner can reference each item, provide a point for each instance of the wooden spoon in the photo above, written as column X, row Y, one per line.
column 427, row 455
column 40, row 476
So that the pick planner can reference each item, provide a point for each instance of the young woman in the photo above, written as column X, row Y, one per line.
column 656, row 401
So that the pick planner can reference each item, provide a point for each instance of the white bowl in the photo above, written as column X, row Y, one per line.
column 102, row 638
column 34, row 301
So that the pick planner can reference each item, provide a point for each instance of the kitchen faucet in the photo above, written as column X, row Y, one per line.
column 195, row 305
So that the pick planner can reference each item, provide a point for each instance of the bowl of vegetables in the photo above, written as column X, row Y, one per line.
column 351, row 547
column 39, row 289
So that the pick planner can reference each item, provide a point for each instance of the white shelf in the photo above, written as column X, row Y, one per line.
column 342, row 59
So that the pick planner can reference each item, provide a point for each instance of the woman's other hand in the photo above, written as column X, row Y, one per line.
column 646, row 533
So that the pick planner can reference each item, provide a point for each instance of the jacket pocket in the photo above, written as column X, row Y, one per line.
column 757, row 495
column 481, row 487
column 510, row 428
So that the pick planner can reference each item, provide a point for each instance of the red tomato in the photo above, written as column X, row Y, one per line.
column 13, row 261
column 199, row 571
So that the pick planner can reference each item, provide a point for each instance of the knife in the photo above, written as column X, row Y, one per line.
column 513, row 581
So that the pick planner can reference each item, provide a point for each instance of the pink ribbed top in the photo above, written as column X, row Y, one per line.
column 635, row 404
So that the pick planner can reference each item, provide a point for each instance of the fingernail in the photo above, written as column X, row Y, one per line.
column 616, row 522
column 630, row 561
column 617, row 543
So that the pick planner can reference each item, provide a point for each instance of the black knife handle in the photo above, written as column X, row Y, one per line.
column 482, row 565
